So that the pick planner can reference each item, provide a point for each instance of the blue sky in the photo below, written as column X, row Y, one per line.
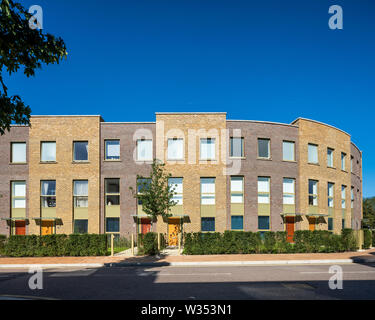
column 257, row 60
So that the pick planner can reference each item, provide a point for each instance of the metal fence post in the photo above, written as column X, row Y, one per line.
column 158, row 240
column 179, row 242
column 112, row 249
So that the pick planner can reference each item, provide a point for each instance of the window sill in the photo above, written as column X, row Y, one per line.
column 237, row 158
column 329, row 167
column 80, row 162
column 48, row 162
column 314, row 164
column 290, row 161
column 109, row 160
column 344, row 171
column 266, row 159
column 144, row 161
column 17, row 163
column 176, row 160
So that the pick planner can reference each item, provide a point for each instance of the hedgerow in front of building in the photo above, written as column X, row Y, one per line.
column 56, row 245
column 240, row 242
column 367, row 238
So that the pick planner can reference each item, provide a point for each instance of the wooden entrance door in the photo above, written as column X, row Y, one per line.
column 20, row 227
column 289, row 228
column 174, row 228
column 312, row 222
column 145, row 225
column 47, row 228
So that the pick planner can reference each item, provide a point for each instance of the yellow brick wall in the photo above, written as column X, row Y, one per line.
column 192, row 169
column 325, row 137
column 65, row 130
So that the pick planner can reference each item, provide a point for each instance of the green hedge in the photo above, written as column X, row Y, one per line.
column 240, row 242
column 367, row 238
column 56, row 245
column 148, row 243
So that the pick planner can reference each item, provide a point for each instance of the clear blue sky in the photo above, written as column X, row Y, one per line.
column 258, row 60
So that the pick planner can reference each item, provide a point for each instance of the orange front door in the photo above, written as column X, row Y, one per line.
column 289, row 229
column 47, row 227
column 174, row 228
column 312, row 222
column 145, row 225
column 20, row 228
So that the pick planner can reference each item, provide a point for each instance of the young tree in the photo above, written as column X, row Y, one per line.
column 154, row 192
column 369, row 213
column 21, row 46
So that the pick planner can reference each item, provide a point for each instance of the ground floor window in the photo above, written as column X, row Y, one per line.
column 113, row 225
column 237, row 222
column 263, row 222
column 330, row 224
column 208, row 224
column 81, row 226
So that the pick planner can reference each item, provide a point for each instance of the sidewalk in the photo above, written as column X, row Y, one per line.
column 367, row 256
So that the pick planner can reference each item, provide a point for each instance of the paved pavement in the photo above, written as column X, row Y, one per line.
column 364, row 256
column 192, row 283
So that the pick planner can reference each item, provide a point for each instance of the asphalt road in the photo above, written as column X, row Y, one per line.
column 193, row 283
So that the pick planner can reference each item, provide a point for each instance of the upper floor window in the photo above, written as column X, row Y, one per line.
column 112, row 192
column 80, row 193
column 343, row 197
column 176, row 185
column 313, row 193
column 236, row 189
column 264, row 150
column 207, row 149
column 351, row 163
column 263, row 190
column 175, row 149
column 48, row 194
column 330, row 194
column 18, row 152
column 288, row 151
column 289, row 191
column 207, row 191
column 330, row 157
column 112, row 149
column 236, row 147
column 48, row 152
column 144, row 150
column 312, row 153
column 18, row 195
column 352, row 197
column 80, row 151
column 343, row 160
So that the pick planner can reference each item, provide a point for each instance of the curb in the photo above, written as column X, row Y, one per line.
column 55, row 265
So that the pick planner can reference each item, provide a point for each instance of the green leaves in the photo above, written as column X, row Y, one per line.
column 22, row 47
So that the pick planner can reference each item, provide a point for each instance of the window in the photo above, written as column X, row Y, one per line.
column 112, row 192
column 237, row 147
column 207, row 149
column 48, row 194
column 313, row 193
column 237, row 222
column 112, row 150
column 288, row 191
column 343, row 158
column 81, row 226
column 112, row 224
column 176, row 184
column 312, row 153
column 263, row 222
column 351, row 163
column 208, row 224
column 343, row 197
column 175, row 149
column 343, row 224
column 330, row 194
column 236, row 189
column 19, row 195
column 80, row 151
column 80, row 193
column 207, row 191
column 264, row 148
column 18, row 152
column 263, row 190
column 48, row 152
column 330, row 224
column 144, row 150
column 330, row 157
column 142, row 185
column 288, row 151
column 352, row 197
